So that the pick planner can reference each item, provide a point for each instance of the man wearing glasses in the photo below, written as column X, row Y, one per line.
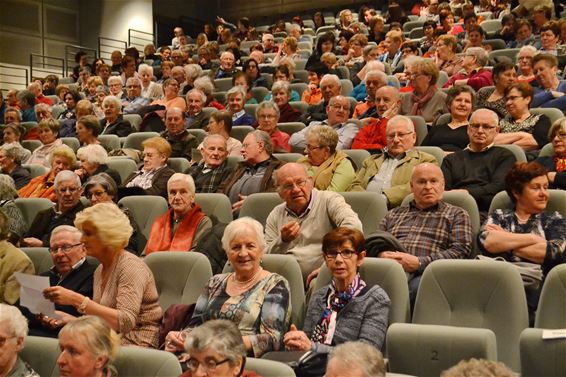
column 70, row 270
column 389, row 171
column 297, row 226
column 479, row 169
column 68, row 194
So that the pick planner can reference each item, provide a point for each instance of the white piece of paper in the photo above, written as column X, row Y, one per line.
column 31, row 294
column 554, row 334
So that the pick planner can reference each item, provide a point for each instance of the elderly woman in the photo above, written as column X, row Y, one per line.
column 524, row 36
column 355, row 52
column 426, row 100
column 49, row 137
column 125, row 295
column 13, row 330
column 215, row 348
column 520, row 127
column 288, row 49
column 113, row 122
column 95, row 342
column 182, row 227
column 205, row 85
column 71, row 99
column 281, row 94
column 474, row 74
column 115, row 86
column 355, row 359
column 236, row 97
column 60, row 158
column 8, row 193
column 88, row 129
column 171, row 98
column 267, row 114
column 347, row 309
column 556, row 164
column 526, row 233
column 101, row 93
column 445, row 54
column 493, row 97
column 92, row 161
column 152, row 178
column 330, row 169
column 453, row 136
column 525, row 61
column 145, row 74
column 282, row 73
column 11, row 157
column 552, row 91
column 92, row 83
column 256, row 300
column 60, row 91
column 192, row 72
column 11, row 135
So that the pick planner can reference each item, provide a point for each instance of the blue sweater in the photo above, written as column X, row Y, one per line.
column 542, row 98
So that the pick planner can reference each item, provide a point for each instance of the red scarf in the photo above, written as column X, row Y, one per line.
column 420, row 101
column 560, row 164
column 160, row 235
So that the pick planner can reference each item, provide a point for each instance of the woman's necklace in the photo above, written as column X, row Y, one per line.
column 245, row 285
column 522, row 220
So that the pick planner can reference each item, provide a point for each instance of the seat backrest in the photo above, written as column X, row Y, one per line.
column 358, row 156
column 516, row 150
column 135, row 140
column 31, row 206
column 259, row 93
column 427, row 350
column 215, row 204
column 198, row 133
column 288, row 267
column 250, row 108
column 71, row 142
column 300, row 106
column 124, row 166
column 145, row 208
column 145, row 362
column 386, row 273
column 551, row 313
column 260, row 205
column 269, row 368
column 134, row 119
column 370, row 207
column 541, row 357
column 179, row 164
column 41, row 354
column 420, row 127
column 287, row 157
column 442, row 79
column 437, row 152
column 31, row 145
column 232, row 161
column 556, row 201
column 223, row 84
column 240, row 132
column 40, row 257
column 290, row 127
column 179, row 276
column 299, row 87
column 35, row 170
column 475, row 293
column 552, row 113
column 110, row 142
column 547, row 150
column 393, row 81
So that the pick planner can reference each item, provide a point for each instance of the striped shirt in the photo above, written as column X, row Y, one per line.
column 442, row 231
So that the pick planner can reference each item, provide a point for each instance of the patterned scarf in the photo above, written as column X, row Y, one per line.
column 324, row 330
column 420, row 101
column 560, row 164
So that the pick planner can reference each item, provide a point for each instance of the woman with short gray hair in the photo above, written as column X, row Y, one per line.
column 355, row 359
column 474, row 75
column 92, row 159
column 13, row 331
column 281, row 95
column 11, row 156
column 267, row 114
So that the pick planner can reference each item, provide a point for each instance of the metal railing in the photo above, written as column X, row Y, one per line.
column 13, row 77
column 107, row 45
column 43, row 65
column 71, row 50
column 138, row 39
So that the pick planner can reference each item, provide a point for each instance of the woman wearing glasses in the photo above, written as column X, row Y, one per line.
column 267, row 115
column 347, row 309
column 257, row 301
column 556, row 164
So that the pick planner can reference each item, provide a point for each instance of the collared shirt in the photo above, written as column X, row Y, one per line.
column 442, row 231
column 135, row 104
column 250, row 182
column 208, row 179
column 346, row 134
column 144, row 179
column 238, row 115
column 382, row 180
column 306, row 212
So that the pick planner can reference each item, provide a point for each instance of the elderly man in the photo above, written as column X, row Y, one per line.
column 479, row 169
column 71, row 269
column 196, row 118
column 134, row 101
column 428, row 229
column 68, row 203
column 116, row 59
column 373, row 135
column 37, row 89
column 181, row 141
column 209, row 173
column 268, row 43
column 12, row 98
column 338, row 111
column 370, row 54
column 227, row 66
column 26, row 103
column 374, row 80
column 297, row 226
column 180, row 228
column 389, row 171
column 330, row 86
column 254, row 173
column 220, row 123
column 236, row 101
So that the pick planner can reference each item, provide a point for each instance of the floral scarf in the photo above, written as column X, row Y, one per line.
column 560, row 164
column 324, row 330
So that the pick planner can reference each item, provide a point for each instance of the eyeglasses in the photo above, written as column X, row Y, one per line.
column 96, row 194
column 311, row 148
column 300, row 183
column 560, row 135
column 3, row 340
column 512, row 98
column 65, row 248
column 267, row 116
column 209, row 365
column 399, row 135
column 345, row 254
column 337, row 106
column 476, row 127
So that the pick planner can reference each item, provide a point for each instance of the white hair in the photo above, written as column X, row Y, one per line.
column 185, row 178
column 93, row 153
column 236, row 227
column 379, row 74
column 12, row 319
column 492, row 114
column 193, row 71
column 114, row 80
column 146, row 68
column 199, row 92
column 112, row 99
column 67, row 175
column 77, row 234
column 401, row 119
column 135, row 80
column 331, row 77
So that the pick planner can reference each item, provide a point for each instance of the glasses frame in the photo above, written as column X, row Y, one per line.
column 345, row 254
column 194, row 368
column 65, row 249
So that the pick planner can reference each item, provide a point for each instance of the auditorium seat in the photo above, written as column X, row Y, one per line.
column 542, row 357
column 31, row 206
column 144, row 209
column 215, row 204
column 551, row 313
column 135, row 140
column 35, row 170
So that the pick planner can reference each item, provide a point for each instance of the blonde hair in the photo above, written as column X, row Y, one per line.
column 63, row 151
column 158, row 143
column 326, row 136
column 111, row 224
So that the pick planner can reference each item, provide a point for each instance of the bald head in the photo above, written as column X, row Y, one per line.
column 294, row 186
column 427, row 185
column 387, row 98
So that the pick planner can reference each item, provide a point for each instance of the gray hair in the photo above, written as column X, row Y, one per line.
column 93, row 153
column 401, row 119
column 192, row 71
column 105, row 181
column 263, row 137
column 326, row 136
column 204, row 84
column 218, row 335
column 281, row 85
column 14, row 151
column 27, row 97
column 267, row 105
column 67, row 175
column 381, row 76
column 16, row 323
column 145, row 67
column 479, row 53
column 102, row 89
column 294, row 27
column 42, row 106
column 185, row 178
column 134, row 80
column 528, row 48
column 492, row 114
column 114, row 80
column 236, row 90
column 7, row 188
column 362, row 356
column 331, row 77
column 214, row 136
column 112, row 99
column 236, row 227
column 197, row 91
column 77, row 234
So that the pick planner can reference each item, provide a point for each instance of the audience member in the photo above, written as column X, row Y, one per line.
column 481, row 367
column 113, row 122
column 49, row 137
column 267, row 115
column 556, row 163
column 92, row 161
column 26, row 103
column 474, row 74
column 236, row 98
column 220, row 123
column 182, row 142
column 11, row 157
column 196, row 118
column 525, row 62
column 88, row 129
column 281, row 95
column 493, row 97
column 213, row 169
column 227, row 66
column 355, row 359
column 551, row 92
column 13, row 331
column 330, row 86
column 134, row 100
column 8, row 193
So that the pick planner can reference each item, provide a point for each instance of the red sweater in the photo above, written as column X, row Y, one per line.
column 372, row 135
